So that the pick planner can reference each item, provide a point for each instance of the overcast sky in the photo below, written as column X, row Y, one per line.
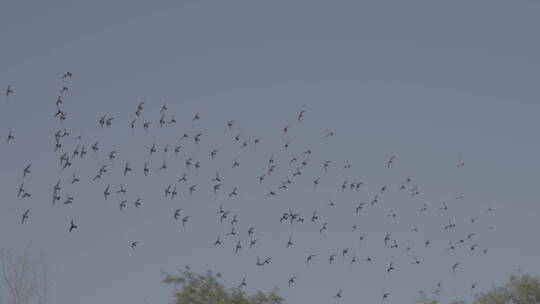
column 432, row 83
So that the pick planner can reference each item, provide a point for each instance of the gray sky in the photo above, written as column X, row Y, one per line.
column 433, row 83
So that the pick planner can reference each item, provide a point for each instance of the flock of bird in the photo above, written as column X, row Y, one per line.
column 274, row 179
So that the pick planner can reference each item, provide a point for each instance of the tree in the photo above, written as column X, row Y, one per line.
column 425, row 299
column 23, row 280
column 523, row 289
column 192, row 288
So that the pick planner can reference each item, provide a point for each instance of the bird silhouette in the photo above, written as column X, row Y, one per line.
column 72, row 226
column 9, row 91
column 25, row 216
column 291, row 281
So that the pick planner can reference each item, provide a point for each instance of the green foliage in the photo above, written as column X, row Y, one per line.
column 522, row 289
column 192, row 288
column 425, row 299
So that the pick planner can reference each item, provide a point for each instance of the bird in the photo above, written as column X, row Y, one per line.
column 25, row 216
column 185, row 220
column 177, row 213
column 127, row 169
column 250, row 231
column 455, row 266
column 145, row 169
column 266, row 261
column 230, row 124
column 192, row 189
column 21, row 190
column 146, row 126
column 177, row 150
column 137, row 203
column 314, row 217
column 216, row 179
column 218, row 241
column 162, row 121
column 390, row 268
column 173, row 193
column 69, row 200
column 134, row 244
column 326, row 164
column 331, row 259
column 353, row 260
column 385, row 296
column 9, row 91
column 386, row 239
column 243, row 283
column 108, row 122
column 121, row 190
column 67, row 75
column 444, row 207
column 106, row 192
column 301, row 115
column 10, row 137
column 122, row 205
column 237, row 247
column 338, row 294
column 390, row 161
column 26, row 170
column 112, row 155
column 95, row 147
column 323, row 228
column 140, row 107
column 359, row 207
column 289, row 242
column 291, row 281
column 72, row 226
column 233, row 192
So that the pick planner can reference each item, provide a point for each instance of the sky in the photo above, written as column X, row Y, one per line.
column 433, row 83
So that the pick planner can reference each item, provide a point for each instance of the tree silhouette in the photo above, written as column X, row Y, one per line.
column 193, row 288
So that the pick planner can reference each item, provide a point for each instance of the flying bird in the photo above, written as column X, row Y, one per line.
column 26, row 170
column 10, row 137
column 25, row 216
column 390, row 161
column 301, row 115
column 72, row 226
column 185, row 220
column 9, row 91
column 291, row 281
